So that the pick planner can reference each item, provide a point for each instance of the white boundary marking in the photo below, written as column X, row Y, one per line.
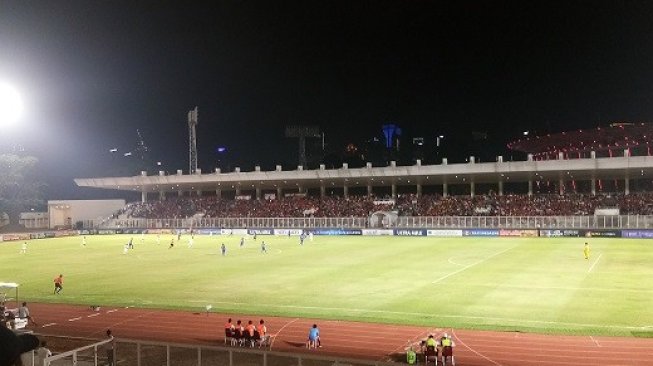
column 453, row 333
column 92, row 315
column 595, row 341
column 274, row 337
column 74, row 319
column 594, row 264
column 454, row 263
column 112, row 311
column 471, row 265
column 48, row 325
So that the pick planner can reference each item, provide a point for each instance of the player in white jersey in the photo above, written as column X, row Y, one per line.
column 23, row 248
column 191, row 241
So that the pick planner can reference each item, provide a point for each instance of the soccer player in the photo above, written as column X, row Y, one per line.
column 178, row 235
column 242, row 242
column 254, row 236
column 23, row 249
column 131, row 243
column 310, row 236
column 125, row 249
column 158, row 239
column 586, row 250
column 84, row 241
column 190, row 242
column 301, row 239
column 263, row 248
column 58, row 284
column 172, row 243
column 223, row 248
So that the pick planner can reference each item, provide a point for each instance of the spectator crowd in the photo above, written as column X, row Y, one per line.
column 405, row 205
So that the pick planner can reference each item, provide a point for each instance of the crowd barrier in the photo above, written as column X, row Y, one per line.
column 478, row 232
column 430, row 232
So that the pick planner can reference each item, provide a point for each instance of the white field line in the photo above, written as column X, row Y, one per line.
column 594, row 264
column 74, row 319
column 112, row 311
column 450, row 260
column 48, row 325
column 595, row 341
column 453, row 333
column 274, row 337
column 605, row 289
column 92, row 315
column 446, row 316
column 471, row 265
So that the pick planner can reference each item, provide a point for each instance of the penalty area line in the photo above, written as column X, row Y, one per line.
column 471, row 265
column 594, row 264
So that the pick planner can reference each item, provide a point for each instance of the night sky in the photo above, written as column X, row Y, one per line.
column 93, row 72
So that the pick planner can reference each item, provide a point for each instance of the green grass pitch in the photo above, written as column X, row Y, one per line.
column 525, row 284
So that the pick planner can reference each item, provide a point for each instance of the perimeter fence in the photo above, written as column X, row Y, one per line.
column 130, row 352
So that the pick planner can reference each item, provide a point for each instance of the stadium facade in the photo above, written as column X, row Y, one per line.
column 624, row 168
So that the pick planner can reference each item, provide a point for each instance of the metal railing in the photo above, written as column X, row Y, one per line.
column 517, row 222
column 126, row 352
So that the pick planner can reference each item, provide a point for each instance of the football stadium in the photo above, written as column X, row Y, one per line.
column 495, row 277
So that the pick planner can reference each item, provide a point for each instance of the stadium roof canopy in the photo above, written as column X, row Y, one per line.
column 464, row 173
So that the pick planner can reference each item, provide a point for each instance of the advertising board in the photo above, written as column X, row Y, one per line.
column 377, row 232
column 639, row 234
column 481, row 232
column 336, row 231
column 260, row 231
column 444, row 232
column 410, row 232
column 560, row 233
column 286, row 232
column 518, row 233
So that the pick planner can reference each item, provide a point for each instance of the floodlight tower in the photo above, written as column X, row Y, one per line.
column 302, row 132
column 192, row 141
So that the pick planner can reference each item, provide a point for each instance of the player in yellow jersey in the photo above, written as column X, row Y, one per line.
column 586, row 250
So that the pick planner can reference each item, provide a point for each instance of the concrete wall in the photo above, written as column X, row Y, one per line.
column 66, row 213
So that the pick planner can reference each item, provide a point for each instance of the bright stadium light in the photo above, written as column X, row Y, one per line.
column 11, row 105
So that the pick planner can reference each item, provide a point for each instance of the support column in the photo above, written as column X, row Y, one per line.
column 199, row 192
column 218, row 193
column 593, row 186
column 300, row 189
column 472, row 189
column 345, row 191
column 445, row 189
column 180, row 193
column 530, row 188
column 143, row 196
column 322, row 191
column 500, row 188
column 561, row 187
column 369, row 189
column 626, row 185
column 162, row 196
column 393, row 187
column 419, row 191
column 279, row 193
column 237, row 191
column 258, row 193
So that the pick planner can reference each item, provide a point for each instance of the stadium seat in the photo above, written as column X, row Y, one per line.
column 431, row 353
column 240, row 338
column 230, row 336
column 447, row 353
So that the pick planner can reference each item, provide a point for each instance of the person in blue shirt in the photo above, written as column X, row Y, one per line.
column 314, row 336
